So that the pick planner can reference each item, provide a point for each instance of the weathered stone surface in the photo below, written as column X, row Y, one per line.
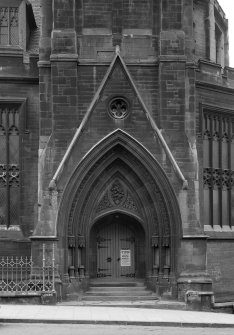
column 167, row 69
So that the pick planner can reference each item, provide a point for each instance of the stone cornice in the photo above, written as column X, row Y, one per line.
column 64, row 58
column 215, row 87
column 43, row 63
column 44, row 238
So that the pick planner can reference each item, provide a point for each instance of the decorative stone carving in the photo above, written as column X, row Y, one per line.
column 2, row 131
column 166, row 241
column 80, row 240
column 207, row 177
column 155, row 241
column 225, row 137
column 79, row 191
column 117, row 196
column 118, row 108
column 13, row 175
column 3, row 175
column 9, row 15
column 71, row 241
column 9, row 20
column 232, row 179
column 76, row 241
column 104, row 204
column 130, row 204
column 207, row 134
column 164, row 216
column 216, row 136
column 13, row 131
column 218, row 178
column 226, row 179
column 119, row 151
column 117, row 193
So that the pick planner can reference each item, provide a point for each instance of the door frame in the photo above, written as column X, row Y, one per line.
column 139, row 244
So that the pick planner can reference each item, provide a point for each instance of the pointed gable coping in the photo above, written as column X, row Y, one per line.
column 95, row 100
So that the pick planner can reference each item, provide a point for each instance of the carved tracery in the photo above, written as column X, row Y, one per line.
column 218, row 167
column 9, row 165
column 125, row 183
column 117, row 196
column 117, row 193
column 9, row 26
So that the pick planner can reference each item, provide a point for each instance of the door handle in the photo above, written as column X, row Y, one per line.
column 118, row 259
column 109, row 259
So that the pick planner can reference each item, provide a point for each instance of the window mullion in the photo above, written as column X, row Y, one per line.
column 229, row 190
column 8, row 10
column 7, row 171
column 220, row 169
column 211, row 165
column 231, row 169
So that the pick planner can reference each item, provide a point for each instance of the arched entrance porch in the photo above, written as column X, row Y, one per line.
column 117, row 247
column 119, row 176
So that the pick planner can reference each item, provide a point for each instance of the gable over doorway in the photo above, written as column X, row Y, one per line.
column 119, row 176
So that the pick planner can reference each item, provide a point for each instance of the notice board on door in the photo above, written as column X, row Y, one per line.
column 125, row 257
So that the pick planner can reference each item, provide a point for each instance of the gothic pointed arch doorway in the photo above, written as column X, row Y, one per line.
column 117, row 247
column 120, row 176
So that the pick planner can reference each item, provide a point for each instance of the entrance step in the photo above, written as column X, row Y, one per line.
column 127, row 292
column 116, row 283
column 114, row 290
column 118, row 290
column 117, row 298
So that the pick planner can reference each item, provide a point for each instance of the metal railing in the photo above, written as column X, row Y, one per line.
column 19, row 276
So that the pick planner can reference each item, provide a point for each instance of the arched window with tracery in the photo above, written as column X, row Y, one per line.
column 9, row 26
column 218, row 167
column 9, row 165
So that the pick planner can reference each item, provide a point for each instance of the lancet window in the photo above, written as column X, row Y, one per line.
column 218, row 163
column 9, row 26
column 9, row 166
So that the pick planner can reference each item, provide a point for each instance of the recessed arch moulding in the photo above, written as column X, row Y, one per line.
column 122, row 163
column 147, row 195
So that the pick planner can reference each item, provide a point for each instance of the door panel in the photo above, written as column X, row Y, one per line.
column 104, row 266
column 127, row 255
column 115, row 251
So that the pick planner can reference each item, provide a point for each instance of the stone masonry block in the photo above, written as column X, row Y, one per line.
column 64, row 42
column 172, row 42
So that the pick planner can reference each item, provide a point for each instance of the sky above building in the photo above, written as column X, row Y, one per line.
column 228, row 8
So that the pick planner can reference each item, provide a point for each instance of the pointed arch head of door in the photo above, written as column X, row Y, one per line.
column 131, row 152
column 109, row 235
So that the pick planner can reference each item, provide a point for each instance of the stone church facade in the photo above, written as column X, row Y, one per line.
column 117, row 141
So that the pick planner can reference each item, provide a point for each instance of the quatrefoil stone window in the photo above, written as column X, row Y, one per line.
column 118, row 108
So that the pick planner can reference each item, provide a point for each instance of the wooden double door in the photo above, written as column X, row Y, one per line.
column 115, row 250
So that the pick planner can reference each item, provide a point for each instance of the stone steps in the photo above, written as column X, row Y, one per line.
column 120, row 290
column 125, row 290
column 117, row 298
column 119, row 293
column 126, row 284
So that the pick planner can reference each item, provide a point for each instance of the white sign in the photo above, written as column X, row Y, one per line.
column 13, row 228
column 125, row 257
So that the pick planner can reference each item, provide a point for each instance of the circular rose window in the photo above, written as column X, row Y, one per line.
column 118, row 108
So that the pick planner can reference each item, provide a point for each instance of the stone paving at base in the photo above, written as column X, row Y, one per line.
column 112, row 315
